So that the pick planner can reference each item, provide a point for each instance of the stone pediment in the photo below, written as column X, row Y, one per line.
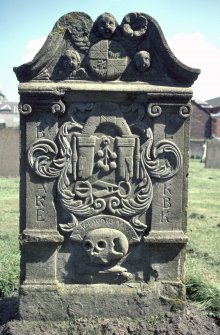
column 79, row 49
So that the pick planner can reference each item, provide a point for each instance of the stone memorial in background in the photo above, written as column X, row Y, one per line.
column 104, row 162
column 212, row 153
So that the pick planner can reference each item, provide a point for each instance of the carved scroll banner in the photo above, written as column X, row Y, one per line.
column 104, row 162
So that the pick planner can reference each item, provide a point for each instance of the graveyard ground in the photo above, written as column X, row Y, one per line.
column 202, row 269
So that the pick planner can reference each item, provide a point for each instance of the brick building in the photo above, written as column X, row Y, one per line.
column 216, row 124
column 200, row 127
column 205, row 124
column 9, row 116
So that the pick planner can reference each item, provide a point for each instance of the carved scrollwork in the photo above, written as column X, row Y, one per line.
column 154, row 110
column 42, row 157
column 162, row 160
column 184, row 111
column 45, row 158
column 135, row 205
column 83, row 205
column 58, row 108
column 24, row 109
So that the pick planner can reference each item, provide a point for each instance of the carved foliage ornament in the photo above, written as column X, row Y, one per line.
column 104, row 159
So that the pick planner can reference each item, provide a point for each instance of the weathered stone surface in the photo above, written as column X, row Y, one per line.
column 104, row 162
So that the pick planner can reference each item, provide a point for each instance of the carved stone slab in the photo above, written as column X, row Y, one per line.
column 104, row 162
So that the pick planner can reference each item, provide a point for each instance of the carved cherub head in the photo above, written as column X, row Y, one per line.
column 106, row 24
column 142, row 60
column 71, row 60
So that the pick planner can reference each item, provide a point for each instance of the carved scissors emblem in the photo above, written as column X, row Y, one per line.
column 103, row 189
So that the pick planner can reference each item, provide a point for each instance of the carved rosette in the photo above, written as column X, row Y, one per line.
column 134, row 26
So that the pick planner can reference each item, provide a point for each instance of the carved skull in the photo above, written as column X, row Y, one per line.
column 104, row 245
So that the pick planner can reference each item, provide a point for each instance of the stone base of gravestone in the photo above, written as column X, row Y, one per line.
column 190, row 321
column 212, row 159
column 132, row 300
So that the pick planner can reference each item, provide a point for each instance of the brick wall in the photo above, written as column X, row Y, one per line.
column 200, row 127
column 216, row 127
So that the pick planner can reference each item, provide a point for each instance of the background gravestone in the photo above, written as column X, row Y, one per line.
column 104, row 162
column 9, row 149
column 212, row 155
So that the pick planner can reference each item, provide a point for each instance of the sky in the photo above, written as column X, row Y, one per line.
column 191, row 28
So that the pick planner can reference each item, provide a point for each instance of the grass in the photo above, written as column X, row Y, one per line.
column 203, row 254
column 9, row 259
column 203, row 249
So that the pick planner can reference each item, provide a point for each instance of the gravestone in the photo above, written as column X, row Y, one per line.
column 104, row 162
column 212, row 153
